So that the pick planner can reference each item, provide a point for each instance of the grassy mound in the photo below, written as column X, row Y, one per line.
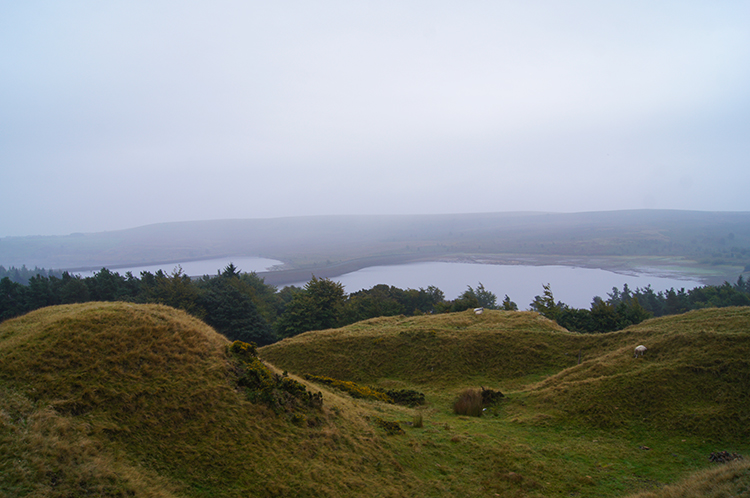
column 442, row 349
column 112, row 399
column 694, row 379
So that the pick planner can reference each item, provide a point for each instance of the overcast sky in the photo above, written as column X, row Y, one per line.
column 118, row 114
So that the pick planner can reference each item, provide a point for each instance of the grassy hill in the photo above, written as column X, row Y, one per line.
column 120, row 400
column 689, row 394
column 112, row 399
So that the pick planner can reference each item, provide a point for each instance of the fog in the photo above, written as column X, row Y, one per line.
column 121, row 114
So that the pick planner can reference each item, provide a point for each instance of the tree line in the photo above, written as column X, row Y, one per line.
column 243, row 307
column 628, row 307
column 239, row 305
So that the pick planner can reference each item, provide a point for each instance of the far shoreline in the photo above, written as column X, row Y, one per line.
column 674, row 267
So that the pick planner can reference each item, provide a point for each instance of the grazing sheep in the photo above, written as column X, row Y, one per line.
column 639, row 350
column 478, row 311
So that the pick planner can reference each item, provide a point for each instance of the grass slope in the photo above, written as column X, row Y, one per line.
column 689, row 396
column 695, row 378
column 127, row 400
column 435, row 349
column 112, row 399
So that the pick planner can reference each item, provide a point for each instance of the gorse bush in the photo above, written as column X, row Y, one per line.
column 277, row 391
column 351, row 388
column 405, row 397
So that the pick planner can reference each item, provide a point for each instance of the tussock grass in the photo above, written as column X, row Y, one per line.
column 469, row 403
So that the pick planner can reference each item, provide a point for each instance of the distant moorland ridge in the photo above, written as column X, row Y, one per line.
column 333, row 245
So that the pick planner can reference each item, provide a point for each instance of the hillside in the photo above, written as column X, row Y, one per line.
column 695, row 377
column 113, row 399
column 711, row 246
column 120, row 400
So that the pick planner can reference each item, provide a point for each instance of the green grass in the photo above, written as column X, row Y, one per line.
column 112, row 399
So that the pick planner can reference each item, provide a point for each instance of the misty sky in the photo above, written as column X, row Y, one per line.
column 118, row 114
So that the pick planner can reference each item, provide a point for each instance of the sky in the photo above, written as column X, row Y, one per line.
column 125, row 113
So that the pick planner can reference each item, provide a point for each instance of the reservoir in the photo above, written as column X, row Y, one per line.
column 573, row 286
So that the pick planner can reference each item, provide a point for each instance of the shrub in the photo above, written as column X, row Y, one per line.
column 391, row 428
column 261, row 385
column 351, row 388
column 490, row 397
column 472, row 402
column 244, row 350
column 406, row 397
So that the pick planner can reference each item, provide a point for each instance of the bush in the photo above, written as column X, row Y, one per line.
column 278, row 391
column 490, row 397
column 354, row 390
column 406, row 397
column 391, row 428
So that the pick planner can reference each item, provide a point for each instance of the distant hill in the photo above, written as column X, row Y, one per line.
column 116, row 399
column 333, row 245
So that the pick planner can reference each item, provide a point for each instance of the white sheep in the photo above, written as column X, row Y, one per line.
column 639, row 350
column 478, row 311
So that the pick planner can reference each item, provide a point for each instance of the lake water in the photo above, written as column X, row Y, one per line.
column 199, row 268
column 573, row 286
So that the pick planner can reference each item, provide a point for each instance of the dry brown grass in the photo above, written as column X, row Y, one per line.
column 721, row 481
column 469, row 403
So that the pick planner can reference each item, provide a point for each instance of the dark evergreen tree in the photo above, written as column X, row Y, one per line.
column 483, row 297
column 320, row 306
column 13, row 301
column 105, row 285
column 603, row 316
column 73, row 289
column 231, row 311
column 39, row 293
column 545, row 304
column 577, row 320
column 176, row 290
column 509, row 305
